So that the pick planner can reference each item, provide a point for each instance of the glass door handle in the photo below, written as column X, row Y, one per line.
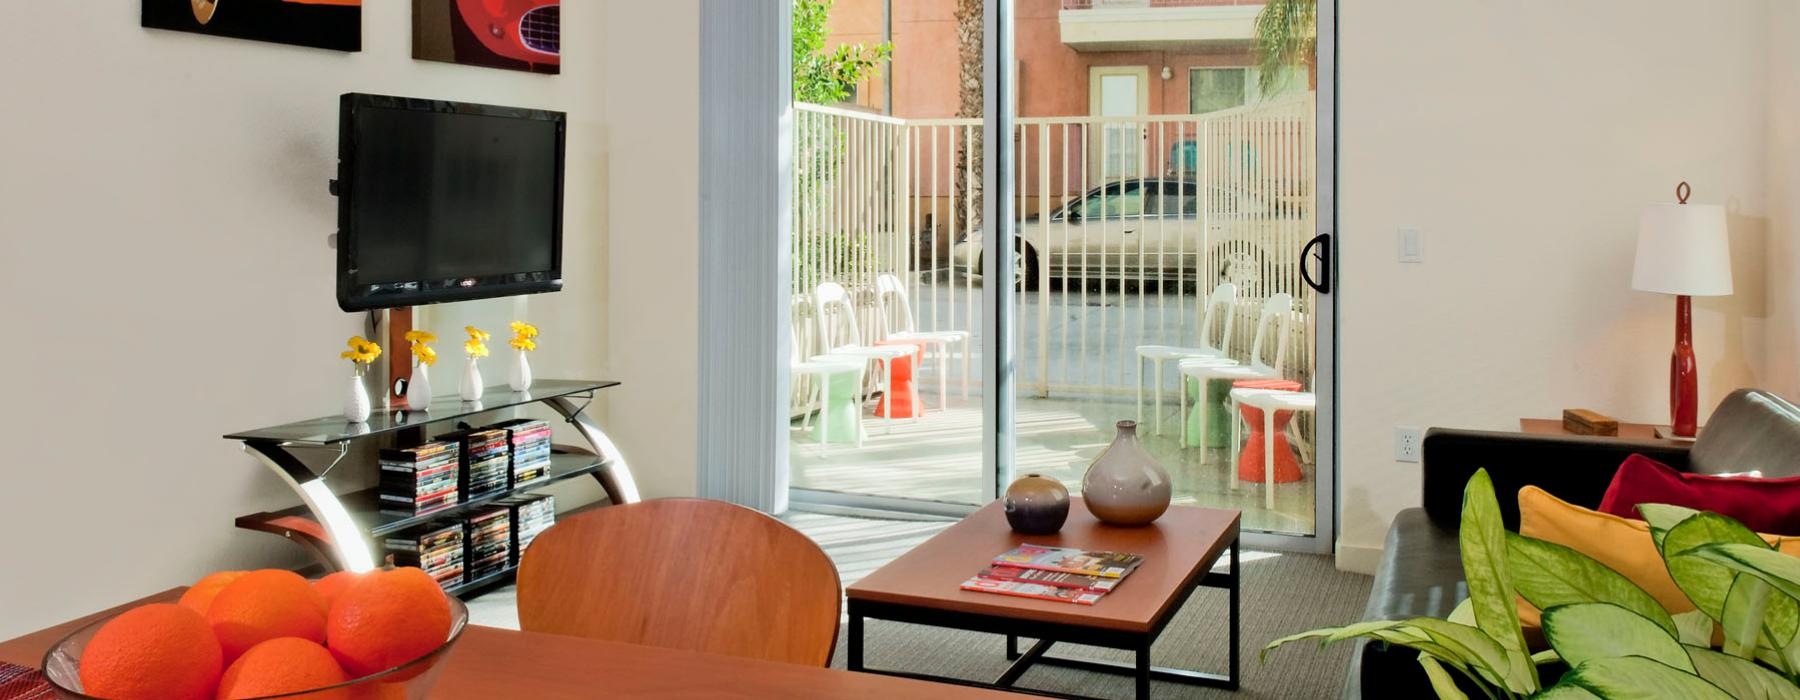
column 1323, row 283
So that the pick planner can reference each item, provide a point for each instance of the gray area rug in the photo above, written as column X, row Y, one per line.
column 1281, row 594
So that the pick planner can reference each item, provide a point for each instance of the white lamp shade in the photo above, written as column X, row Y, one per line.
column 1683, row 249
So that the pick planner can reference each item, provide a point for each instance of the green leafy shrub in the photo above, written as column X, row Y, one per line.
column 1615, row 639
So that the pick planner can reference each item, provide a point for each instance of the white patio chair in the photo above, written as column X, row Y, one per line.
column 1276, row 313
column 1223, row 299
column 823, row 369
column 889, row 286
column 831, row 295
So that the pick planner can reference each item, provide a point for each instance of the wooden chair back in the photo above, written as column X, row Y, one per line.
column 683, row 573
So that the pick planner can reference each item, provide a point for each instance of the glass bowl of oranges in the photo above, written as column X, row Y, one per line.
column 239, row 635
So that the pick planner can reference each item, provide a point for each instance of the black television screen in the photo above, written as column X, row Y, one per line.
column 446, row 201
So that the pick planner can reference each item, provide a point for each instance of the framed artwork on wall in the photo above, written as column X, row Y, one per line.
column 324, row 24
column 521, row 35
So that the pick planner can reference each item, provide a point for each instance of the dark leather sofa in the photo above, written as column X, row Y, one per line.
column 1421, row 568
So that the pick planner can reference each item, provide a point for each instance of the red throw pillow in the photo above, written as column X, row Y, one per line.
column 1763, row 505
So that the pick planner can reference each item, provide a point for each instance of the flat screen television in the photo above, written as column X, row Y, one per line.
column 446, row 201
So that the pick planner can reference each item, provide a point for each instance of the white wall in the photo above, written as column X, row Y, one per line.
column 167, row 279
column 1783, row 168
column 1522, row 139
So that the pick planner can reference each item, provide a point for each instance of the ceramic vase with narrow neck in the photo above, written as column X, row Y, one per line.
column 521, row 373
column 356, row 401
column 471, row 382
column 418, row 389
column 1125, row 486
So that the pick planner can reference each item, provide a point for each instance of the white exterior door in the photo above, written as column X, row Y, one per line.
column 1120, row 95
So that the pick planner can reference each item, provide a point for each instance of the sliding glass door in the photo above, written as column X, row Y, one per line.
column 1159, row 261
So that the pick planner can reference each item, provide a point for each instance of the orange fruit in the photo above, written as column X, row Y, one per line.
column 200, row 597
column 387, row 619
column 282, row 665
column 263, row 605
column 332, row 586
column 161, row 651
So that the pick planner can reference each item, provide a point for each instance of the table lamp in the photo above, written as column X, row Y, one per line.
column 1682, row 249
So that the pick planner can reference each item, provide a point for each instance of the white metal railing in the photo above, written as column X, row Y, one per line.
column 1107, row 4
column 1126, row 224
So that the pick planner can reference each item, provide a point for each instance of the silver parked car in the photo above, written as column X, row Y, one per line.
column 1145, row 229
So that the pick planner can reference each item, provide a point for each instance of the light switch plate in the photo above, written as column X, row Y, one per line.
column 1412, row 246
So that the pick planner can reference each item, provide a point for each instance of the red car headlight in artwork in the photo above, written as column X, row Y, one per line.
column 522, row 30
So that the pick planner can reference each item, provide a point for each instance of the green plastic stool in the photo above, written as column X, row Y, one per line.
column 1218, row 392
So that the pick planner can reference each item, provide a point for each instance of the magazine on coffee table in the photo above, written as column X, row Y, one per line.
column 1032, row 590
column 1095, row 584
column 1070, row 561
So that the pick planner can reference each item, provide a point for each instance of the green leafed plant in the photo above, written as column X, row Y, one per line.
column 1614, row 640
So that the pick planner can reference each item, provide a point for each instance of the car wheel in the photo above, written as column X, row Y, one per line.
column 1025, row 266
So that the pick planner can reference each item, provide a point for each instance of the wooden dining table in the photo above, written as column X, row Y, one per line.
column 488, row 662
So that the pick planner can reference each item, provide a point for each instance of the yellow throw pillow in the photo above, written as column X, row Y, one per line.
column 1622, row 544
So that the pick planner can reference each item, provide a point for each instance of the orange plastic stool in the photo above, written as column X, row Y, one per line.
column 902, row 400
column 1250, row 459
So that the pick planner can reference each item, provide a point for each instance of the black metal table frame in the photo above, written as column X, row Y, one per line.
column 1050, row 633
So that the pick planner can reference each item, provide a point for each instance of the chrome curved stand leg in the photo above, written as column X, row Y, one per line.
column 347, row 541
column 615, row 476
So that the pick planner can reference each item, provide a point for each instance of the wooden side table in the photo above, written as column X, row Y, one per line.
column 1636, row 432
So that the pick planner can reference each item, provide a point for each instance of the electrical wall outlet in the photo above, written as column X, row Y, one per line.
column 1406, row 443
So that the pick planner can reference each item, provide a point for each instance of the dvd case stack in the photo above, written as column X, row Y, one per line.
column 419, row 480
column 436, row 547
column 487, row 534
column 530, row 440
column 531, row 516
column 486, row 462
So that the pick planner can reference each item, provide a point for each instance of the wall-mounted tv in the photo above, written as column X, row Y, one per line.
column 446, row 201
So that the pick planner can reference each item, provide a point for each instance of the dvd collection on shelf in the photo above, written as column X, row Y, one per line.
column 530, row 442
column 486, row 461
column 436, row 547
column 419, row 480
column 472, row 546
column 487, row 534
column 462, row 467
column 531, row 516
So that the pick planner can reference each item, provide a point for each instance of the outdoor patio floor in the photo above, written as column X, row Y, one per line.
column 938, row 458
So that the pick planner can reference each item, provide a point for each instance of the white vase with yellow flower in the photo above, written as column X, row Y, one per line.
column 418, row 388
column 476, row 348
column 523, row 341
column 361, row 355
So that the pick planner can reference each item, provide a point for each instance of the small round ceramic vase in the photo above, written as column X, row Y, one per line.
column 1124, row 486
column 1036, row 505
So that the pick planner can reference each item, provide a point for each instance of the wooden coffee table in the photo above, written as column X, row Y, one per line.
column 1179, row 551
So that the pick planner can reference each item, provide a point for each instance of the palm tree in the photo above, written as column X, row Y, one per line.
column 1287, row 34
column 967, row 185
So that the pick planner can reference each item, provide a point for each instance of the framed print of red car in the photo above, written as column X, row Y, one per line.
column 517, row 34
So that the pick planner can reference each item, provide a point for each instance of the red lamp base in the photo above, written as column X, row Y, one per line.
column 1684, row 372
